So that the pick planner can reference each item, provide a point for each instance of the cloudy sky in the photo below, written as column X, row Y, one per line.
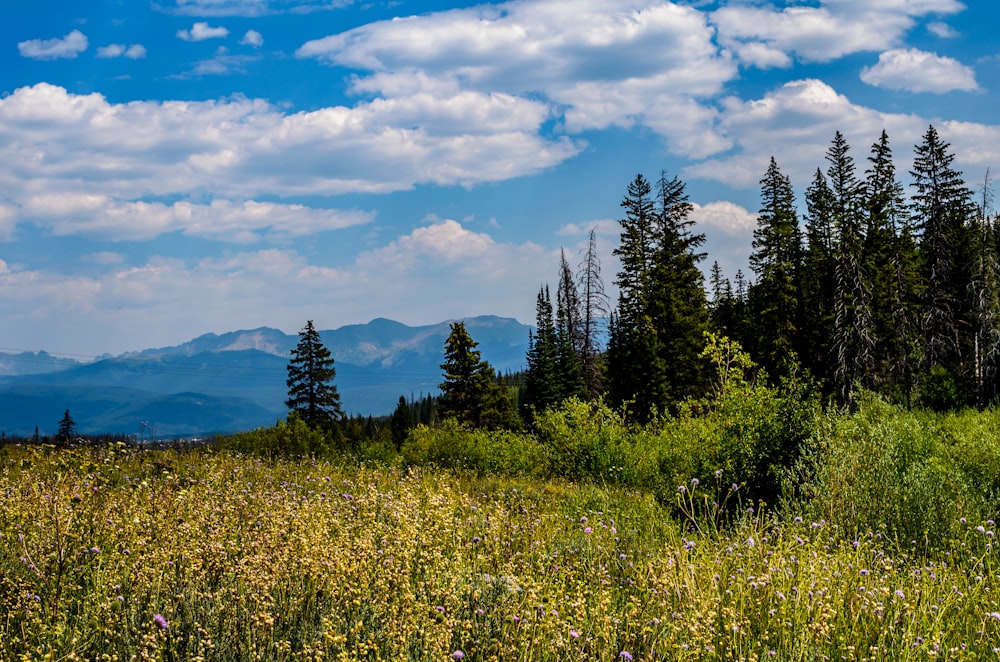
column 176, row 167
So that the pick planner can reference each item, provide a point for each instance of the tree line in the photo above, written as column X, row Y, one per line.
column 867, row 288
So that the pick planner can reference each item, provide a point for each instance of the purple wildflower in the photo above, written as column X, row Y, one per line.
column 625, row 655
column 161, row 622
column 457, row 655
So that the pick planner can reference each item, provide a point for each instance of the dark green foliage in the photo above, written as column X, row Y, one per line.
column 67, row 430
column 817, row 280
column 312, row 395
column 773, row 300
column 890, row 259
column 853, row 330
column 541, row 382
column 471, row 391
column 401, row 422
column 942, row 209
column 655, row 339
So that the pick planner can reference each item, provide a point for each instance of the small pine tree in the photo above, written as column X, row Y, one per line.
column 471, row 392
column 67, row 430
column 311, row 391
column 401, row 421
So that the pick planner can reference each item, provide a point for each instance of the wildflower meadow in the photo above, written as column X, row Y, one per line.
column 114, row 553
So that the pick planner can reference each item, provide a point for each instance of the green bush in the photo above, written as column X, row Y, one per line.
column 452, row 444
column 290, row 437
column 916, row 475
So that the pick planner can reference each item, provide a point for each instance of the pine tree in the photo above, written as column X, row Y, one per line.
column 853, row 340
column 471, row 392
column 541, row 389
column 942, row 210
column 401, row 421
column 818, row 276
column 312, row 394
column 890, row 259
column 635, row 371
column 775, row 260
column 67, row 430
column 569, row 336
column 675, row 298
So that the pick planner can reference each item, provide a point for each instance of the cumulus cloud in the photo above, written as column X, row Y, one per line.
column 600, row 62
column 252, row 38
column 68, row 47
column 202, row 31
column 133, row 52
column 82, row 151
column 942, row 30
column 101, row 216
column 918, row 71
column 820, row 34
column 796, row 122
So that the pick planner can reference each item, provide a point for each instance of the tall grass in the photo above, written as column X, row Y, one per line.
column 110, row 554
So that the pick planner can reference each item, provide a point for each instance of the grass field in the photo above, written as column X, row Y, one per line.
column 114, row 554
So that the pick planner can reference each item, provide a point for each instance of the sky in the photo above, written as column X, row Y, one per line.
column 179, row 167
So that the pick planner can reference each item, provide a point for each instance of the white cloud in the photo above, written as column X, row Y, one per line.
column 202, row 31
column 796, row 122
column 252, row 38
column 133, row 52
column 942, row 30
column 53, row 49
column 165, row 301
column 81, row 151
column 724, row 217
column 820, row 34
column 600, row 62
column 111, row 50
column 917, row 71
column 248, row 221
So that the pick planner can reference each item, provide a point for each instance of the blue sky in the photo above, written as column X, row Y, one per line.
column 189, row 166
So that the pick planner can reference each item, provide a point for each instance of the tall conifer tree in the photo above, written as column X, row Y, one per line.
column 942, row 207
column 775, row 260
column 312, row 395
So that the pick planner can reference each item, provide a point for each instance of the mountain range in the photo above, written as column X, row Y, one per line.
column 235, row 381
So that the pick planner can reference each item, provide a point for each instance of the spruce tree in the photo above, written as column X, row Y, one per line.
column 775, row 259
column 942, row 208
column 853, row 339
column 675, row 298
column 636, row 372
column 541, row 389
column 890, row 259
column 471, row 392
column 818, row 276
column 401, row 421
column 67, row 430
column 312, row 395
